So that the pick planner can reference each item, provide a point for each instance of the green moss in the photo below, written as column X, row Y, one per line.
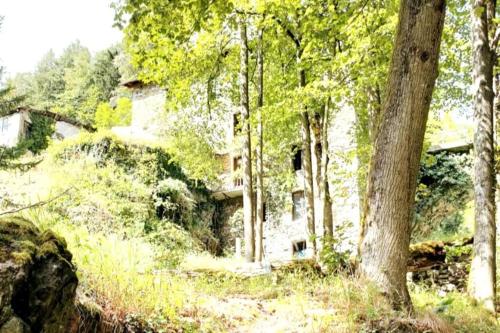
column 22, row 258
column 424, row 248
column 21, row 241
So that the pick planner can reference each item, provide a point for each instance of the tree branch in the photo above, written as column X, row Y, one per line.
column 37, row 204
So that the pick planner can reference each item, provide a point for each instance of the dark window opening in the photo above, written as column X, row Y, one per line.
column 236, row 124
column 264, row 210
column 238, row 181
column 297, row 160
column 27, row 129
column 299, row 248
column 299, row 205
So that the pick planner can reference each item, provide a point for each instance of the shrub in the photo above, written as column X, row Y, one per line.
column 445, row 188
column 130, row 189
column 41, row 130
column 334, row 256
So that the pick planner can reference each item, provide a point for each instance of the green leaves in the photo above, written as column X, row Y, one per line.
column 72, row 84
column 107, row 116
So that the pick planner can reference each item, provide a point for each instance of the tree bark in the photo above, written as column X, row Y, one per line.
column 259, row 223
column 307, row 166
column 483, row 266
column 246, row 158
column 398, row 147
column 317, row 150
column 325, row 187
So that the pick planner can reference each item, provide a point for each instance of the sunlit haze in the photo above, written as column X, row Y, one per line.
column 33, row 27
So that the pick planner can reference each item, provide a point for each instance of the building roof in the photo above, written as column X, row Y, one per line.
column 134, row 84
column 454, row 147
column 55, row 116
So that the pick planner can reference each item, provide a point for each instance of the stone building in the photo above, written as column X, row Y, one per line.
column 147, row 111
column 285, row 228
column 16, row 126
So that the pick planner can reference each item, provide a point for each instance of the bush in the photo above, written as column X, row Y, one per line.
column 333, row 256
column 130, row 189
column 41, row 130
column 174, row 201
column 107, row 116
column 445, row 188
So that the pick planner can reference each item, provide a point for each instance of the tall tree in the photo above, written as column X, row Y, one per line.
column 246, row 156
column 398, row 146
column 483, row 268
column 326, row 200
column 259, row 186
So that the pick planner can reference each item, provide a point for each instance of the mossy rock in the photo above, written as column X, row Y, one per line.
column 37, row 279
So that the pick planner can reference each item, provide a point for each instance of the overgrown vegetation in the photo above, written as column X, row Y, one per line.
column 40, row 132
column 443, row 196
column 134, row 191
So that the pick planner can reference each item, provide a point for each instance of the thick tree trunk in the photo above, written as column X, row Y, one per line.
column 246, row 158
column 326, row 200
column 398, row 147
column 259, row 223
column 307, row 167
column 483, row 267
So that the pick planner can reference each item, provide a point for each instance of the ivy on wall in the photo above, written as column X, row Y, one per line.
column 444, row 189
column 40, row 131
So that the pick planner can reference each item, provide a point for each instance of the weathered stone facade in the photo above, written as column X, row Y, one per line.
column 13, row 128
column 148, row 105
column 285, row 229
column 285, row 226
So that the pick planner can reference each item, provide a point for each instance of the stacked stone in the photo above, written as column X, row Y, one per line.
column 441, row 265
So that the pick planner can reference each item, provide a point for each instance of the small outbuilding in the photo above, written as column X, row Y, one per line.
column 16, row 126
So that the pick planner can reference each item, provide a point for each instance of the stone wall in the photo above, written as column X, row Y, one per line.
column 12, row 128
column 281, row 231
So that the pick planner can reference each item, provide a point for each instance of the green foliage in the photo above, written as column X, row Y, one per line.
column 107, row 116
column 174, row 201
column 332, row 256
column 73, row 84
column 445, row 187
column 41, row 130
column 171, row 243
column 131, row 189
column 455, row 253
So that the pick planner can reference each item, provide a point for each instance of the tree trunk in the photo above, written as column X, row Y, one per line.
column 398, row 147
column 246, row 158
column 317, row 150
column 326, row 200
column 483, row 267
column 307, row 166
column 259, row 223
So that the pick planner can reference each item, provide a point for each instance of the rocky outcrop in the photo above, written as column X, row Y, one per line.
column 37, row 279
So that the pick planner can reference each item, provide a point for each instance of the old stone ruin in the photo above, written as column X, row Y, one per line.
column 442, row 265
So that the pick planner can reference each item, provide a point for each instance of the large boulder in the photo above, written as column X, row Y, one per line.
column 37, row 279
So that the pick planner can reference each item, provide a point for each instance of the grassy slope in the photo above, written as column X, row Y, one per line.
column 119, row 275
column 204, row 296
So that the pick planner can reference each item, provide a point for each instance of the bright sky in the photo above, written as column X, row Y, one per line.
column 32, row 27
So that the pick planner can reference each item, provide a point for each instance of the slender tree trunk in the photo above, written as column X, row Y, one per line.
column 317, row 149
column 326, row 200
column 483, row 267
column 398, row 147
column 374, row 105
column 259, row 223
column 246, row 158
column 307, row 166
